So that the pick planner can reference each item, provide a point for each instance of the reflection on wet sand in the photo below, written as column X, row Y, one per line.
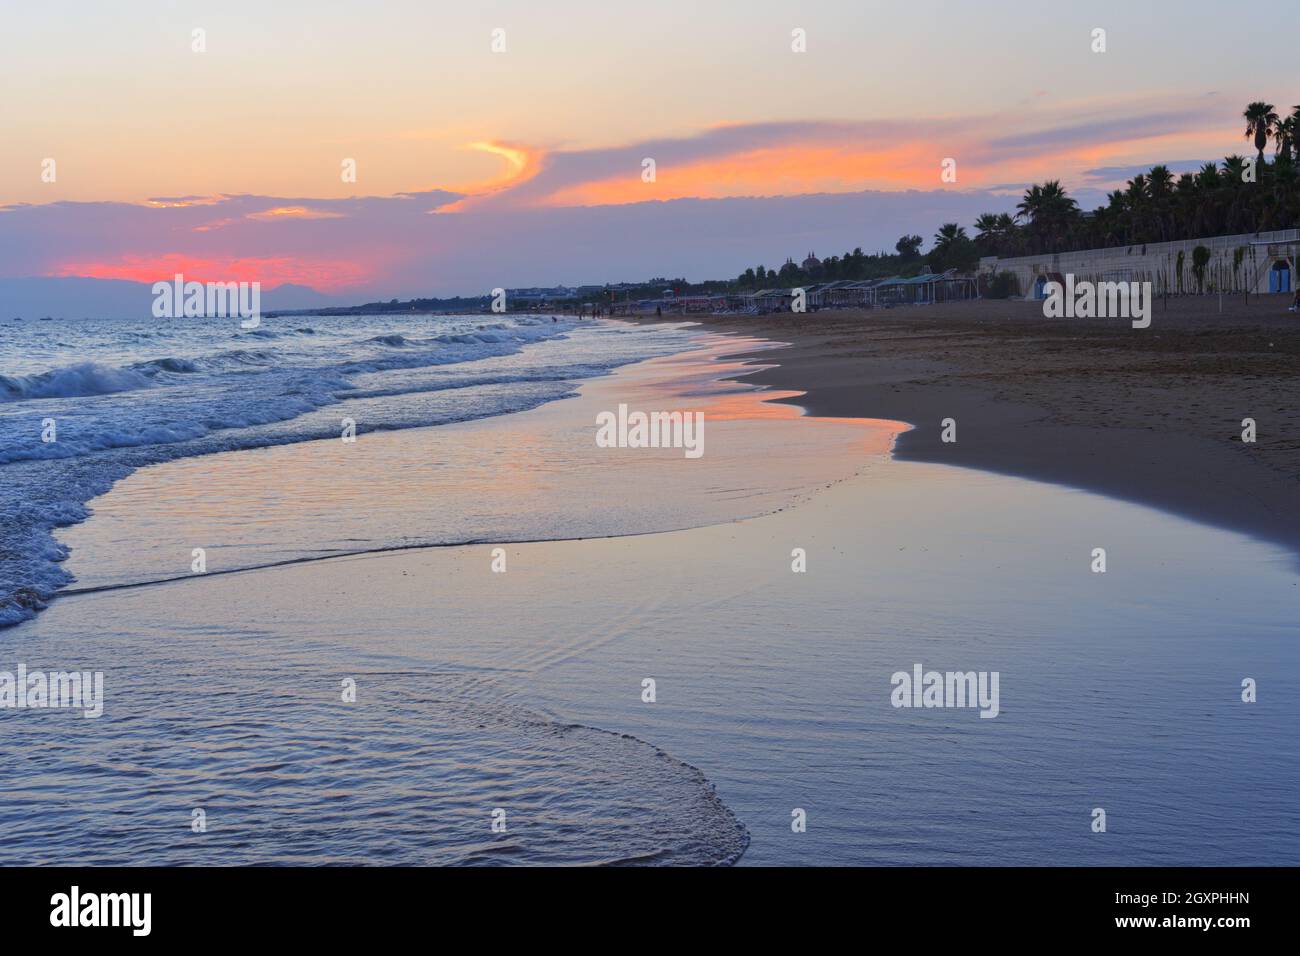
column 536, row 475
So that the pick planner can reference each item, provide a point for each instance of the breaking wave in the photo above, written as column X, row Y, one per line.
column 74, row 381
column 68, row 433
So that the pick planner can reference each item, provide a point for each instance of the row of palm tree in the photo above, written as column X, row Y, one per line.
column 1236, row 196
column 1263, row 123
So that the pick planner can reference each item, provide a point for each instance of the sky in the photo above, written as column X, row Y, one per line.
column 506, row 144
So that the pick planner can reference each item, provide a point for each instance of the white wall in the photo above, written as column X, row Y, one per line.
column 1157, row 263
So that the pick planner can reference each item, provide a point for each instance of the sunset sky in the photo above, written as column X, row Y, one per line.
column 476, row 168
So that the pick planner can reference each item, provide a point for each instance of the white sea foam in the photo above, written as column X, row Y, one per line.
column 74, row 381
column 117, row 405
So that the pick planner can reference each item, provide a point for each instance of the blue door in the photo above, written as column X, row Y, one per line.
column 1279, row 277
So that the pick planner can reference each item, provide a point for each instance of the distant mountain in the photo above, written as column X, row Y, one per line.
column 291, row 296
column 74, row 297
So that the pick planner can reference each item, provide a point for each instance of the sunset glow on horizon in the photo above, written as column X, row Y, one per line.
column 553, row 124
column 327, row 276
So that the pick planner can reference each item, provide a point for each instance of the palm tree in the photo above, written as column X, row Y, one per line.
column 1281, row 210
column 987, row 224
column 1260, row 119
column 1136, row 198
column 1159, row 181
column 1029, row 207
column 1116, row 225
column 1189, row 212
column 1153, row 206
column 1233, row 167
column 1284, row 135
column 989, row 236
column 953, row 249
column 948, row 233
column 997, row 233
column 1050, row 213
column 1008, row 233
column 1047, row 201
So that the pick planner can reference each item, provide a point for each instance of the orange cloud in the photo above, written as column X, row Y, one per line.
column 183, row 202
column 795, row 170
column 807, row 157
column 521, row 166
column 326, row 275
column 293, row 212
column 515, row 157
column 777, row 171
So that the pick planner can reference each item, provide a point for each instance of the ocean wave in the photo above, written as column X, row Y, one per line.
column 395, row 341
column 177, row 365
column 243, row 357
column 218, row 399
column 72, row 381
column 531, row 376
column 116, row 416
column 413, row 782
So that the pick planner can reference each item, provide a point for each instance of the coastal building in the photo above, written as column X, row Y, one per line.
column 925, row 289
column 866, row 291
column 713, row 303
column 772, row 300
column 1253, row 262
column 928, row 288
column 841, row 293
column 538, row 295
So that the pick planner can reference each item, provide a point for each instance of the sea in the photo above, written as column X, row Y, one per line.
column 85, row 402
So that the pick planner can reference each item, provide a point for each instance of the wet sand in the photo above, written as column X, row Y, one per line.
column 1151, row 416
column 479, row 689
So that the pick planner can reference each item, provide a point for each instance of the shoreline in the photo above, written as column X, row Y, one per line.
column 699, row 374
column 1082, row 404
column 176, row 497
column 460, row 709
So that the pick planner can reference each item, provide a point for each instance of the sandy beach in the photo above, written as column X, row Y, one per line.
column 524, row 690
column 1151, row 416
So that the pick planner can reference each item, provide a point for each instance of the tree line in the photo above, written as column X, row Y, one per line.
column 1239, row 195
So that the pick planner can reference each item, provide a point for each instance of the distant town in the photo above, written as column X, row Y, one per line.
column 854, row 278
